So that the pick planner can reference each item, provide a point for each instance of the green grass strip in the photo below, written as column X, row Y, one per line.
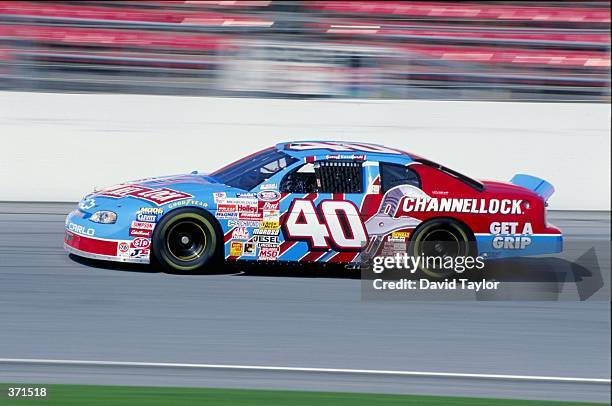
column 97, row 395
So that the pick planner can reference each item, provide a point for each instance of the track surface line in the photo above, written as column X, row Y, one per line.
column 301, row 369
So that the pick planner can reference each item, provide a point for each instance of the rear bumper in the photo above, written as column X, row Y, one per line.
column 103, row 249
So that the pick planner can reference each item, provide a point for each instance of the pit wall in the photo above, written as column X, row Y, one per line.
column 57, row 147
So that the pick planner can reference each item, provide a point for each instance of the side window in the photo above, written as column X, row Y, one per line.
column 392, row 175
column 325, row 177
column 300, row 180
column 339, row 176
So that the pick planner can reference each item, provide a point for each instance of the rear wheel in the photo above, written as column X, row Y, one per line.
column 187, row 241
column 438, row 240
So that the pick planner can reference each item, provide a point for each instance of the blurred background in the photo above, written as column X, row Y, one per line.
column 76, row 114
column 538, row 51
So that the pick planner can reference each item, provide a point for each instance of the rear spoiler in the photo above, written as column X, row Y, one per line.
column 535, row 184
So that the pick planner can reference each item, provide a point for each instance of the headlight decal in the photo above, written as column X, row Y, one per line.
column 104, row 217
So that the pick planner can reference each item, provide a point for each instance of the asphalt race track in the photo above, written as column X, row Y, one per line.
column 54, row 307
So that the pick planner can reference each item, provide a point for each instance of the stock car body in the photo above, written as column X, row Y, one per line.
column 312, row 201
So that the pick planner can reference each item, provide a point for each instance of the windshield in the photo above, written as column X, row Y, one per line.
column 252, row 170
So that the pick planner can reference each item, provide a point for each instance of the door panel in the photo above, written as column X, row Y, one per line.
column 324, row 227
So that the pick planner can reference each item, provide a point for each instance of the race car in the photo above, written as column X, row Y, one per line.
column 313, row 201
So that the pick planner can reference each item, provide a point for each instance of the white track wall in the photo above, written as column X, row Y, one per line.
column 57, row 147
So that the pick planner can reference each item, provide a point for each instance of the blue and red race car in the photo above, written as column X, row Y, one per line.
column 312, row 201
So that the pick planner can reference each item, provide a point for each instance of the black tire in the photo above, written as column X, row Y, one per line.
column 441, row 238
column 187, row 240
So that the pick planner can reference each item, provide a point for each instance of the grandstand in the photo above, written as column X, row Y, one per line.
column 553, row 51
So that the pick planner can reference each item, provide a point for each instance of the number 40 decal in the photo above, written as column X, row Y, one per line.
column 336, row 224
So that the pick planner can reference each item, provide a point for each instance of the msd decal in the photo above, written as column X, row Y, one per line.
column 269, row 253
column 157, row 196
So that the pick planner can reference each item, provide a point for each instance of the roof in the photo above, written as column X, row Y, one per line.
column 302, row 149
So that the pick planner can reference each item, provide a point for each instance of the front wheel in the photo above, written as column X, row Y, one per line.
column 186, row 241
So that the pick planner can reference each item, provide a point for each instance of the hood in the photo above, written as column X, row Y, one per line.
column 174, row 180
column 163, row 190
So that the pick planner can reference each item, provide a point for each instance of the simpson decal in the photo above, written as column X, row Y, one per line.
column 143, row 225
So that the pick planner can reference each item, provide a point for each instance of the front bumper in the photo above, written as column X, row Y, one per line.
column 103, row 249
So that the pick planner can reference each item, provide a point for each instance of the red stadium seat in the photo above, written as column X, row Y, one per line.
column 113, row 38
column 78, row 12
column 465, row 10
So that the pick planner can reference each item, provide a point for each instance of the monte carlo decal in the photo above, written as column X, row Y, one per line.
column 311, row 201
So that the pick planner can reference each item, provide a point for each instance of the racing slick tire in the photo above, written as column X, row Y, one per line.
column 441, row 238
column 187, row 241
